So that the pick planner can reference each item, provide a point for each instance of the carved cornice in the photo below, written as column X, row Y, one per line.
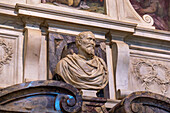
column 75, row 17
column 56, row 14
column 7, row 9
column 152, row 34
column 7, row 56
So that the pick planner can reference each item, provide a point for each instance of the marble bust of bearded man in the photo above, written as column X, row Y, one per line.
column 84, row 70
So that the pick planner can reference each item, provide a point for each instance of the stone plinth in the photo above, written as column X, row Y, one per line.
column 91, row 93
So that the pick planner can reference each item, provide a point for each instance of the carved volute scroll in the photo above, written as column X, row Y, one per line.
column 153, row 11
column 6, row 53
column 148, row 19
column 123, row 10
column 40, row 96
column 143, row 102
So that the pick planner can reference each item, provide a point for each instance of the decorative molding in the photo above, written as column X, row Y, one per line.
column 13, row 2
column 7, row 9
column 152, row 34
column 148, row 49
column 154, row 53
column 74, row 16
column 7, row 57
column 148, row 73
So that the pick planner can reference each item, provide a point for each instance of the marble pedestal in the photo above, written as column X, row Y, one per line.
column 91, row 93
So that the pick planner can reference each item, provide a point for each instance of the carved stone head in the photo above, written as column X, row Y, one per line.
column 85, row 43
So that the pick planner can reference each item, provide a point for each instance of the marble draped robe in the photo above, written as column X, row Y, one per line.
column 83, row 74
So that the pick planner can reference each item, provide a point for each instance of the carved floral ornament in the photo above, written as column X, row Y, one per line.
column 6, row 53
column 148, row 73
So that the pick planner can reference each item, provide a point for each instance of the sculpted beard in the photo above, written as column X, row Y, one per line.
column 89, row 50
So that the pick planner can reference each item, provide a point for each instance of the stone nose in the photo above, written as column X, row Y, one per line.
column 92, row 42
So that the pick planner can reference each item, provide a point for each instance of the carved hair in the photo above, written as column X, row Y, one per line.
column 81, row 36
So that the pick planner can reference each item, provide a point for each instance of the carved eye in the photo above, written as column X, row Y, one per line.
column 91, row 39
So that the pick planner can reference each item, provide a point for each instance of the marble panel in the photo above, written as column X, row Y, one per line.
column 9, row 60
column 148, row 74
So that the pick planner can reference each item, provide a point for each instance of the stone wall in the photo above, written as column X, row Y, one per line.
column 137, row 55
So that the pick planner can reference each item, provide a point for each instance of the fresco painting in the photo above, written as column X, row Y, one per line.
column 159, row 10
column 87, row 5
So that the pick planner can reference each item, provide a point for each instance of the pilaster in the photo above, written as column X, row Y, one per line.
column 120, row 60
column 32, row 49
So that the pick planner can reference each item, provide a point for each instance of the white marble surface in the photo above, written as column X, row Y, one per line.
column 11, row 68
column 129, row 42
column 90, row 93
column 12, row 2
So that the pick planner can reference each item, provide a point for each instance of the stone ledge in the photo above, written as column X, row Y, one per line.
column 76, row 18
column 7, row 9
column 152, row 34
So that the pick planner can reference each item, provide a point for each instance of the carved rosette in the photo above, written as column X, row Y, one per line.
column 6, row 53
column 149, row 73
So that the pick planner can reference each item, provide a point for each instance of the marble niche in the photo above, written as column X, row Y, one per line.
column 61, row 45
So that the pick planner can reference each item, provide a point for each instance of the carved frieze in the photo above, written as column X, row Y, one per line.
column 6, row 53
column 153, row 75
